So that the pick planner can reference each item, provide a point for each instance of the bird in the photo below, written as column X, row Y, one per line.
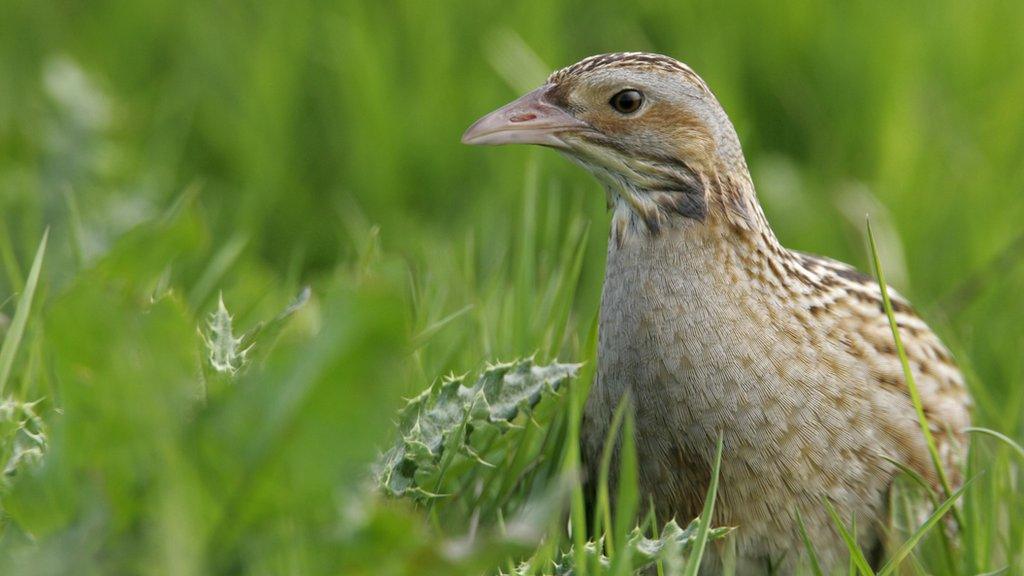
column 711, row 328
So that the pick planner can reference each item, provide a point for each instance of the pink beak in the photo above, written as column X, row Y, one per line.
column 529, row 120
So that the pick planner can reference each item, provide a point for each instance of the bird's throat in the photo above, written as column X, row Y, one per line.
column 649, row 196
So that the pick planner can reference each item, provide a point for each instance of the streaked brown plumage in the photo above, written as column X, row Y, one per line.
column 710, row 325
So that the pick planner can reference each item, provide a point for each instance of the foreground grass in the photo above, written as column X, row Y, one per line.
column 142, row 431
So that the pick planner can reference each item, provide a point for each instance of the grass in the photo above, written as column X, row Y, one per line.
column 693, row 563
column 251, row 152
column 12, row 339
column 908, row 375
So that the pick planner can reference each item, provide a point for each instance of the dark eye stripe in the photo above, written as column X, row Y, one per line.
column 627, row 101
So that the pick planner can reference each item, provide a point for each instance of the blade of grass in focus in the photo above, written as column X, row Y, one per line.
column 1006, row 440
column 857, row 560
column 907, row 547
column 602, row 506
column 693, row 563
column 812, row 556
column 628, row 495
column 908, row 375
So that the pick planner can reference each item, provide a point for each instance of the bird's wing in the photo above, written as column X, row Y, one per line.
column 940, row 383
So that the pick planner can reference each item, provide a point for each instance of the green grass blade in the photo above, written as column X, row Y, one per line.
column 915, row 476
column 812, row 556
column 856, row 555
column 996, row 572
column 628, row 499
column 728, row 551
column 999, row 436
column 424, row 335
column 515, row 61
column 919, row 570
column 704, row 528
column 580, row 389
column 904, row 550
column 852, row 571
column 602, row 509
column 219, row 265
column 566, row 293
column 652, row 517
column 526, row 265
column 75, row 223
column 915, row 396
column 7, row 257
column 14, row 334
column 577, row 506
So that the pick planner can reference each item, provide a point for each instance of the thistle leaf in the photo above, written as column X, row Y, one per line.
column 23, row 437
column 672, row 547
column 224, row 351
column 444, row 416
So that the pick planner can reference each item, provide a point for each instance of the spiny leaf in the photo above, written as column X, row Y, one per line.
column 440, row 419
column 674, row 544
column 23, row 437
column 225, row 351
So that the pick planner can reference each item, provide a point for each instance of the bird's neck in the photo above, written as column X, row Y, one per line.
column 704, row 207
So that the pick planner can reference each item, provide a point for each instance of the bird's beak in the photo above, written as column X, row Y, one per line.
column 529, row 120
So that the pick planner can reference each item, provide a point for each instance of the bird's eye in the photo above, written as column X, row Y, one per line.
column 627, row 101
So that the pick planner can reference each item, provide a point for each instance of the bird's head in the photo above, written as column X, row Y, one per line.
column 646, row 126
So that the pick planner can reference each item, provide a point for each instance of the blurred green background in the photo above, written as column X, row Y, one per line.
column 179, row 150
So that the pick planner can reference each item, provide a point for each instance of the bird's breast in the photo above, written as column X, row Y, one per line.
column 664, row 342
column 700, row 349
